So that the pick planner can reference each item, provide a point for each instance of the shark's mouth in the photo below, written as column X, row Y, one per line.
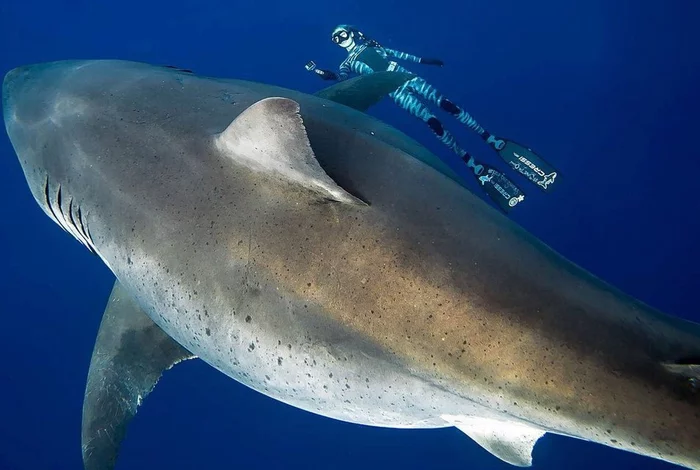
column 73, row 222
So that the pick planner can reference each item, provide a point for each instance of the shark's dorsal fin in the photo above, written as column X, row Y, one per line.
column 131, row 352
column 270, row 137
column 510, row 441
column 364, row 91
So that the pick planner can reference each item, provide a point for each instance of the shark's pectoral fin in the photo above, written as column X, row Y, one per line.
column 270, row 137
column 130, row 354
column 365, row 91
column 510, row 441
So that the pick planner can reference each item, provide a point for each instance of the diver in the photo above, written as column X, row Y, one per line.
column 367, row 56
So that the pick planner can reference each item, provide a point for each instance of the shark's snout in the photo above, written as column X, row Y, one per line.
column 24, row 94
column 13, row 77
column 13, row 90
column 29, row 92
column 15, row 74
column 12, row 81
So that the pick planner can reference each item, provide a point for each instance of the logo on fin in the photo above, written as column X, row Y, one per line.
column 515, row 200
column 535, row 171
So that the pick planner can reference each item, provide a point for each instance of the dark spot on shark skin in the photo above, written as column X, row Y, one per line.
column 251, row 347
column 279, row 361
column 247, row 319
column 208, row 331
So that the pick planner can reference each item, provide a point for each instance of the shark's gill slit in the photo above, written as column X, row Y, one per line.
column 68, row 224
column 89, row 235
column 70, row 214
column 85, row 232
column 82, row 238
column 59, row 199
column 48, row 200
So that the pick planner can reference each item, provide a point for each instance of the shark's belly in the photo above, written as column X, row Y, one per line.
column 281, row 321
column 287, row 347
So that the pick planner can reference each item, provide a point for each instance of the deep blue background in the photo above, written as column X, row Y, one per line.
column 606, row 90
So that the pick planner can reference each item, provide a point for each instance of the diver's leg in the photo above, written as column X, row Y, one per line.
column 410, row 102
column 522, row 159
column 497, row 186
column 431, row 93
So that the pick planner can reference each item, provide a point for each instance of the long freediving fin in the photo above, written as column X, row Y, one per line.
column 364, row 91
column 502, row 191
column 526, row 162
column 131, row 352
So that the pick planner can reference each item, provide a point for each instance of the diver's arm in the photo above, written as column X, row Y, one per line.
column 412, row 58
column 324, row 74
column 328, row 74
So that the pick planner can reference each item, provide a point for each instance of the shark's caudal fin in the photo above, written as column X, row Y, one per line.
column 131, row 352
column 270, row 137
column 509, row 441
column 365, row 91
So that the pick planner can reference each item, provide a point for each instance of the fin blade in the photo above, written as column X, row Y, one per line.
column 365, row 91
column 530, row 165
column 502, row 191
column 510, row 441
column 270, row 137
column 130, row 354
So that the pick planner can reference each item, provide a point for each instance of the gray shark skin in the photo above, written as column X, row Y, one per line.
column 308, row 251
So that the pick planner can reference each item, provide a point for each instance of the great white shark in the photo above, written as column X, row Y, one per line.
column 325, row 259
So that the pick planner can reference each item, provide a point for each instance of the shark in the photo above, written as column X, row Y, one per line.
column 325, row 259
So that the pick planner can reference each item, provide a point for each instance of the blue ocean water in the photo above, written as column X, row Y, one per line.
column 608, row 91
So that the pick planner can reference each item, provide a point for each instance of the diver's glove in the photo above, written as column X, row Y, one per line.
column 427, row 61
column 324, row 74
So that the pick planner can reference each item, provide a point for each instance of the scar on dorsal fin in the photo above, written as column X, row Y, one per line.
column 131, row 352
column 270, row 137
column 510, row 441
column 364, row 91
